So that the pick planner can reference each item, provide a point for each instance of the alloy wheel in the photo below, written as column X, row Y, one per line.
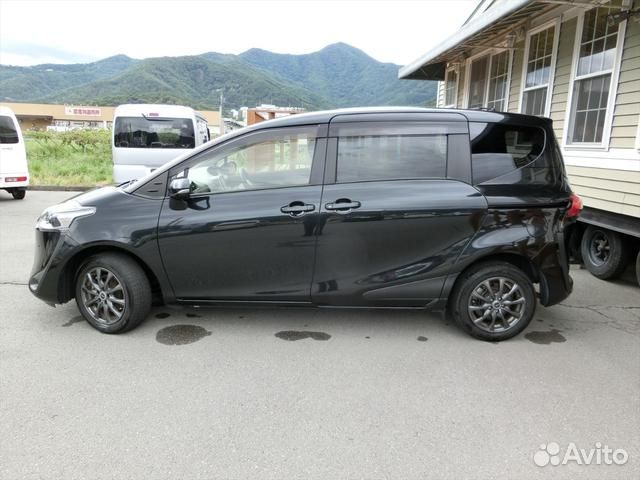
column 496, row 304
column 103, row 295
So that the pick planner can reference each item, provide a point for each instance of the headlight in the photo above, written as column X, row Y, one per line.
column 60, row 217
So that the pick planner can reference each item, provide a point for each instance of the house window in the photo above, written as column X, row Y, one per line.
column 488, row 81
column 538, row 72
column 451, row 88
column 498, row 81
column 593, row 76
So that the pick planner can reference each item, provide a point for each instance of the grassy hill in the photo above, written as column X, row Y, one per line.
column 336, row 76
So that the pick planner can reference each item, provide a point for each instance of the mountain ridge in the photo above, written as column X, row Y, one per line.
column 335, row 76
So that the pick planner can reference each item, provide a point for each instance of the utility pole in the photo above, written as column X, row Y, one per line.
column 221, row 90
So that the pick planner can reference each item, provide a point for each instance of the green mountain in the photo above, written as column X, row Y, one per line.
column 344, row 74
column 336, row 76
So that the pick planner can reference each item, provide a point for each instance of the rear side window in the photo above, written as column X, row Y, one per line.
column 497, row 149
column 389, row 157
column 8, row 133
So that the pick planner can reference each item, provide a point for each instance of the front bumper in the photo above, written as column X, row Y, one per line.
column 47, row 281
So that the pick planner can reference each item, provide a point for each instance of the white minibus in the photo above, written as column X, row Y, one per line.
column 147, row 136
column 14, row 173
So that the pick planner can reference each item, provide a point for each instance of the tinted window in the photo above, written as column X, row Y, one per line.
column 497, row 149
column 281, row 161
column 153, row 132
column 8, row 133
column 391, row 157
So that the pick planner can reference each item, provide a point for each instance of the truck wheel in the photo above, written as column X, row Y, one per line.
column 605, row 253
column 18, row 193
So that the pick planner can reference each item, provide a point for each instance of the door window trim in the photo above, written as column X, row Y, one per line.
column 251, row 138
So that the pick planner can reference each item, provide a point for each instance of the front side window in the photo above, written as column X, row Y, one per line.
column 451, row 88
column 389, row 157
column 538, row 70
column 497, row 149
column 8, row 132
column 592, row 83
column 154, row 132
column 284, row 160
column 488, row 81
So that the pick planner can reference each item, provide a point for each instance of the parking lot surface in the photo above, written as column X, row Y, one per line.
column 309, row 393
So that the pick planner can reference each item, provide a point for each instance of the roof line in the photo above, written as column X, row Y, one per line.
column 468, row 30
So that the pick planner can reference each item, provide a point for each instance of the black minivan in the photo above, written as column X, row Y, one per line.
column 377, row 208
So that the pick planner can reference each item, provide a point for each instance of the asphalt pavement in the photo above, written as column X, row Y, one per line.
column 311, row 394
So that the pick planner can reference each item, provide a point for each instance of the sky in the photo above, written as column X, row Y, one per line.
column 64, row 31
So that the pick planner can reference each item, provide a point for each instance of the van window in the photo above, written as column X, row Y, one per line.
column 391, row 157
column 497, row 149
column 8, row 133
column 154, row 132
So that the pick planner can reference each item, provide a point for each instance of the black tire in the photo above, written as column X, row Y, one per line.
column 131, row 300
column 18, row 194
column 465, row 306
column 605, row 253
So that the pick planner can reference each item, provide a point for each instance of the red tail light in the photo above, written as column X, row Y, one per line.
column 575, row 206
column 15, row 179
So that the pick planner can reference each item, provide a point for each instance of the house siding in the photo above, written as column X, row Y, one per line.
column 591, row 173
column 562, row 78
column 627, row 108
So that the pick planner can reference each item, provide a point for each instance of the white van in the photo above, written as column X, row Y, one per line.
column 14, row 173
column 147, row 136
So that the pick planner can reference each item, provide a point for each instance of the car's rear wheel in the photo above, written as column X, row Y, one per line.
column 493, row 301
column 18, row 193
column 605, row 253
column 112, row 292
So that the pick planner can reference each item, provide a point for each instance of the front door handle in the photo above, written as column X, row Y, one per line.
column 342, row 205
column 297, row 209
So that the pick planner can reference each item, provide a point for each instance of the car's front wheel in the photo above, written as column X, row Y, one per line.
column 493, row 301
column 112, row 292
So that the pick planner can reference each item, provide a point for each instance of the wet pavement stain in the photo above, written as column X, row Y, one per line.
column 422, row 339
column 76, row 319
column 181, row 334
column 193, row 315
column 367, row 337
column 293, row 335
column 545, row 338
column 163, row 315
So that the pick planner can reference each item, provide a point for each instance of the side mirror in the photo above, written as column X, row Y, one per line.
column 180, row 188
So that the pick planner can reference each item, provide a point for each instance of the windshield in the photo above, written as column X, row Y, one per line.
column 8, row 133
column 153, row 132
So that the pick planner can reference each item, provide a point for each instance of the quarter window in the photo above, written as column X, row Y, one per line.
column 282, row 161
column 391, row 157
column 592, row 83
column 538, row 72
column 498, row 149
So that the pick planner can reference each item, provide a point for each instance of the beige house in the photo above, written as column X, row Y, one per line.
column 577, row 62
